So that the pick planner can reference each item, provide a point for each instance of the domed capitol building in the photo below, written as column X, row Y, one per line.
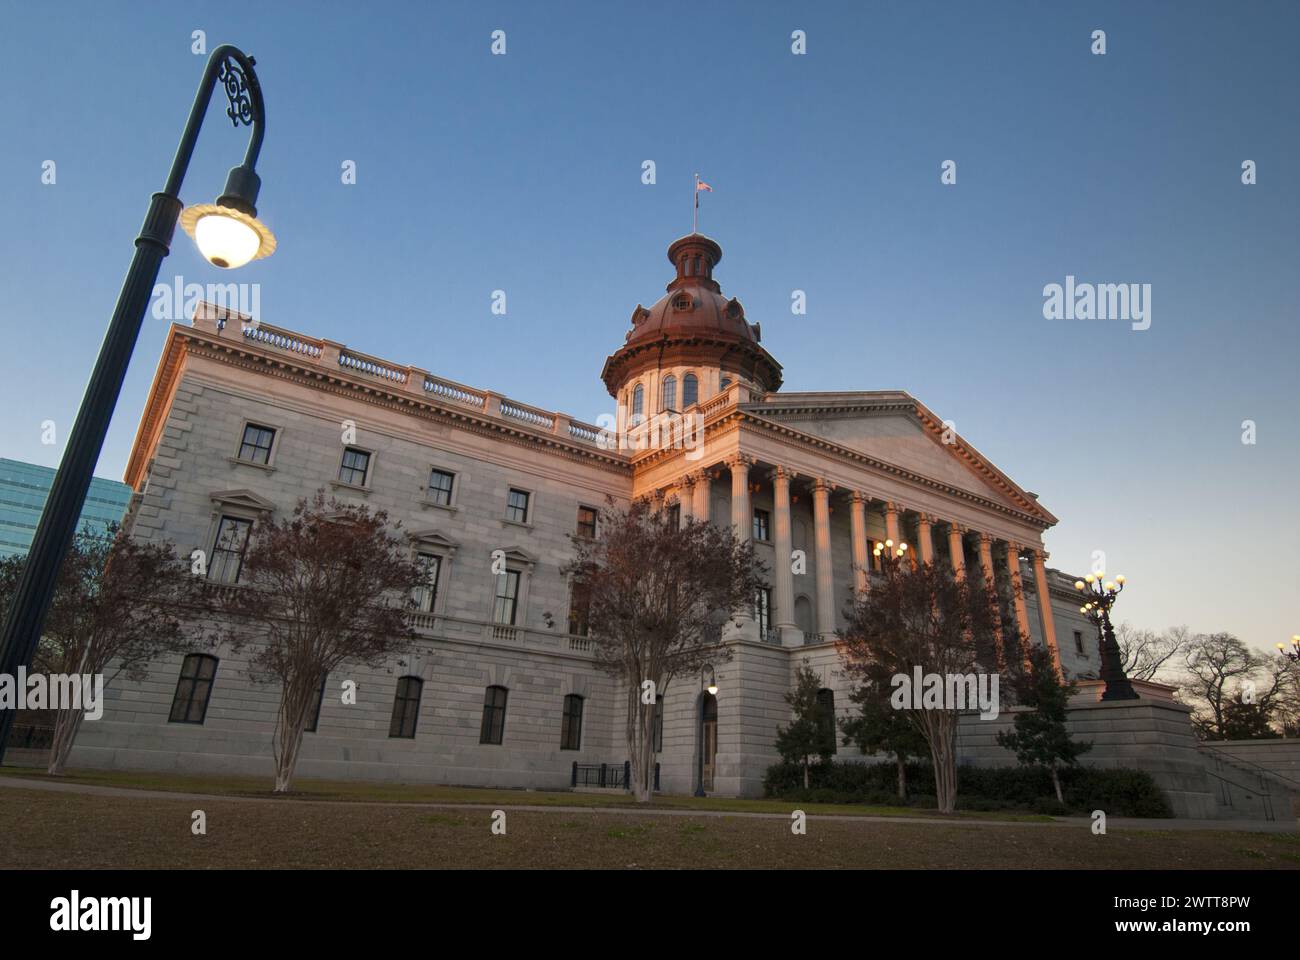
column 244, row 419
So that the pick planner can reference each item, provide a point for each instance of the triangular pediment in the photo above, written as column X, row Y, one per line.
column 894, row 428
column 244, row 498
column 433, row 538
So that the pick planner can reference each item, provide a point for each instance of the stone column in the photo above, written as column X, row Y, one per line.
column 1017, row 591
column 1045, row 609
column 742, row 515
column 986, row 566
column 742, row 520
column 703, row 482
column 783, row 576
column 686, row 497
column 958, row 551
column 858, row 515
column 926, row 546
column 825, row 577
column 891, row 522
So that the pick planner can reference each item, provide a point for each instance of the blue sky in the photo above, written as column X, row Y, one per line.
column 523, row 173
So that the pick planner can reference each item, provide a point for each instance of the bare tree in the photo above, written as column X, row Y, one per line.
column 925, row 617
column 118, row 605
column 657, row 594
column 1219, row 668
column 326, row 586
column 1145, row 653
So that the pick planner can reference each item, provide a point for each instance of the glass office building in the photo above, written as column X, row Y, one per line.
column 23, row 489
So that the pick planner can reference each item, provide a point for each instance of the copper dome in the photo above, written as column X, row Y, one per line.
column 694, row 322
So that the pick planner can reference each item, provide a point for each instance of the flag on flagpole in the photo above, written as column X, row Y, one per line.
column 695, row 216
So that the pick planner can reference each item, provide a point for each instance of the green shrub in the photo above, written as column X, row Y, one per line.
column 1121, row 793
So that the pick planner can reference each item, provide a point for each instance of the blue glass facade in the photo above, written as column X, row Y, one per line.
column 23, row 489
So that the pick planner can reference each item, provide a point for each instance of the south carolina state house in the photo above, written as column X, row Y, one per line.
column 244, row 418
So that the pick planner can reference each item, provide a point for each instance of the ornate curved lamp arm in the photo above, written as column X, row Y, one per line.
column 234, row 69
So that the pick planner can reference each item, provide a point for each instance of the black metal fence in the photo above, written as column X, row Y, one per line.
column 613, row 775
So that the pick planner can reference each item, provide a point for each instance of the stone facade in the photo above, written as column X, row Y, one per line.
column 831, row 473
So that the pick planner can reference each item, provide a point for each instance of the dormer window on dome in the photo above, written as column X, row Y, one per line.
column 683, row 301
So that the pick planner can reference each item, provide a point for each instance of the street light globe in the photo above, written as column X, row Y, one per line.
column 712, row 688
column 1119, row 579
column 1078, row 584
column 1088, row 579
column 227, row 238
column 1110, row 585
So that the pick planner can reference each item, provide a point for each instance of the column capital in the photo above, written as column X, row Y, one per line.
column 739, row 460
column 986, row 538
column 782, row 473
column 957, row 528
column 688, row 480
column 893, row 506
column 857, row 496
column 1040, row 555
column 822, row 485
column 924, row 518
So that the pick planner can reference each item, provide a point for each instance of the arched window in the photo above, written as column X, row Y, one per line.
column 726, row 382
column 571, row 731
column 670, row 393
column 193, row 688
column 690, row 391
column 826, row 716
column 406, row 707
column 638, row 404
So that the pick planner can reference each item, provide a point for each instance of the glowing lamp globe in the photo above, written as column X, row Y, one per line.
column 227, row 237
column 227, row 232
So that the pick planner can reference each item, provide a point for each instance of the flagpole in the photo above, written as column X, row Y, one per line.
column 695, row 217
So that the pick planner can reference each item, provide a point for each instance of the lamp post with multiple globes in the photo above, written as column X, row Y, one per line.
column 229, row 235
column 889, row 551
column 1101, row 597
column 1294, row 652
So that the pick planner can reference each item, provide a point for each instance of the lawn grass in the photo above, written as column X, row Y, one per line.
column 83, row 831
column 354, row 790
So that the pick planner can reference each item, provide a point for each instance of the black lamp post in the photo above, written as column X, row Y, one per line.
column 228, row 235
column 1101, row 597
column 712, row 688
column 1294, row 652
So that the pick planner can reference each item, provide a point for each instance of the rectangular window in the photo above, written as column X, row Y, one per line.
column 587, row 522
column 406, row 708
column 193, row 688
column 517, row 506
column 762, row 525
column 658, row 735
column 675, row 516
column 313, row 711
column 1078, row 641
column 579, row 603
column 571, row 732
column 826, row 717
column 256, row 445
column 355, row 466
column 426, row 595
column 763, row 610
column 494, row 716
column 228, row 551
column 507, row 597
column 440, row 482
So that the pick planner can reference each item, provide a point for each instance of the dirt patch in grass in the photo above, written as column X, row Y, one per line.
column 77, row 831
